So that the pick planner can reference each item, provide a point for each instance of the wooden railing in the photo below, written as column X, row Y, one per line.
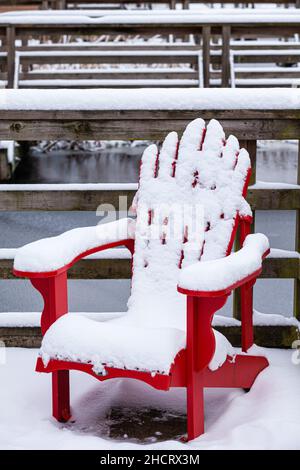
column 249, row 125
column 204, row 26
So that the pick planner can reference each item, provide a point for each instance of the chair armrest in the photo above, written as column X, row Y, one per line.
column 219, row 277
column 51, row 256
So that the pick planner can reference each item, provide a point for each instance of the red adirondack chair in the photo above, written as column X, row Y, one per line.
column 189, row 205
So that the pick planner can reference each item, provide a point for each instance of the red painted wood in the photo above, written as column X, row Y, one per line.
column 55, row 295
column 61, row 396
column 201, row 346
column 158, row 381
column 195, row 398
column 238, row 372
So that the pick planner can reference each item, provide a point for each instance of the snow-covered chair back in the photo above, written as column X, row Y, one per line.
column 189, row 201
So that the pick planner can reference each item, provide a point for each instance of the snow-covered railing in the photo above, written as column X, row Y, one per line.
column 116, row 68
column 259, row 67
column 227, row 23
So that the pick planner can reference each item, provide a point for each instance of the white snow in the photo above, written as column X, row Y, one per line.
column 279, row 253
column 9, row 146
column 149, row 99
column 203, row 9
column 110, row 343
column 222, row 273
column 273, row 319
column 70, row 187
column 111, row 53
column 215, row 16
column 53, row 253
column 96, row 82
column 33, row 319
column 273, row 185
column 268, row 417
column 267, row 52
column 123, row 253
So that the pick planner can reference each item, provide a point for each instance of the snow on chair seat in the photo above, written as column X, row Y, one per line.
column 121, row 345
column 189, row 203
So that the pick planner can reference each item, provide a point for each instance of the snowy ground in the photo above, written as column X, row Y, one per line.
column 130, row 415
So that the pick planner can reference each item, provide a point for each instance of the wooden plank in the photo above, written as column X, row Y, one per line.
column 274, row 199
column 112, row 75
column 273, row 268
column 263, row 59
column 127, row 125
column 88, row 200
column 66, row 200
column 266, row 336
column 135, row 129
column 111, row 59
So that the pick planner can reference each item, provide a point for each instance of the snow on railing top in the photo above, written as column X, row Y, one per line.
column 181, row 13
column 144, row 17
column 149, row 99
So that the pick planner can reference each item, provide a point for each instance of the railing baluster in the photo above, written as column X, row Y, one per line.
column 297, row 248
column 251, row 146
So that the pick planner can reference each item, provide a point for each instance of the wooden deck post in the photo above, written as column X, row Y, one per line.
column 297, row 248
column 11, row 50
column 226, row 32
column 251, row 146
column 206, row 30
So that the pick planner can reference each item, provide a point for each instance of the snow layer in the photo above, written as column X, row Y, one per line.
column 222, row 273
column 126, row 347
column 149, row 99
column 71, row 187
column 89, row 12
column 50, row 254
column 77, row 83
column 33, row 319
column 268, row 417
column 215, row 16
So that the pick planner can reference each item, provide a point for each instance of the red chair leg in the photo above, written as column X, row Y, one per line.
column 247, row 316
column 195, row 406
column 61, row 395
column 200, row 350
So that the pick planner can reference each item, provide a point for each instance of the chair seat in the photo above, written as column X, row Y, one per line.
column 118, row 343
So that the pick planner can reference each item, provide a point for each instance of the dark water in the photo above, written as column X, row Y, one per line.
column 276, row 162
column 105, row 166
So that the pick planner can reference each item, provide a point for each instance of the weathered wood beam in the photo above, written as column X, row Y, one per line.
column 246, row 124
column 90, row 199
column 273, row 268
column 267, row 335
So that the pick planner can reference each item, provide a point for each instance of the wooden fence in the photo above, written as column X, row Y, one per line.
column 248, row 125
